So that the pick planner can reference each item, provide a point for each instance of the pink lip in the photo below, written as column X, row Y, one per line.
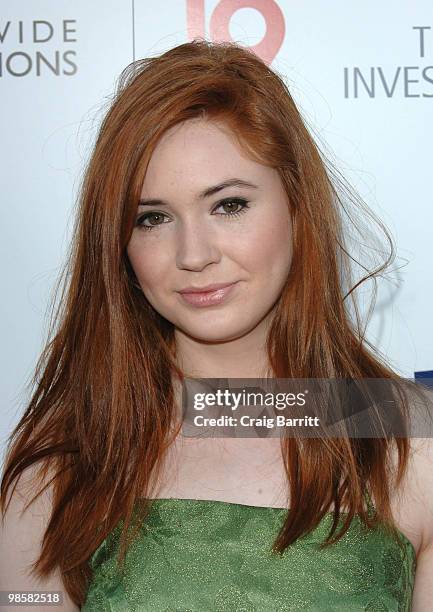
column 201, row 298
column 206, row 288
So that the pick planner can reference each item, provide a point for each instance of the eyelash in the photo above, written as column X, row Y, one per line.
column 228, row 216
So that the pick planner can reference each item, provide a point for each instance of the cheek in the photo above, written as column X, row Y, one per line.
column 267, row 245
column 279, row 240
column 146, row 261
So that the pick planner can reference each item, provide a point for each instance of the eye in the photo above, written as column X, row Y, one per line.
column 152, row 215
column 233, row 202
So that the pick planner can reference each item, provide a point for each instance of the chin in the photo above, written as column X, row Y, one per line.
column 216, row 331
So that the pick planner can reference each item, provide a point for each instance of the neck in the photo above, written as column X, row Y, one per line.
column 243, row 357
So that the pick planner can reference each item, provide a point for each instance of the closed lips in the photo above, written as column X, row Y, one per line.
column 206, row 289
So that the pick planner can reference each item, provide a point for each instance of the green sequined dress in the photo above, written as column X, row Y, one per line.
column 213, row 556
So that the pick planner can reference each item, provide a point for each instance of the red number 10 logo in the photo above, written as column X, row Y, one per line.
column 219, row 21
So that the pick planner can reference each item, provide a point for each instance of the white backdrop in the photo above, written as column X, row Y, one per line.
column 360, row 72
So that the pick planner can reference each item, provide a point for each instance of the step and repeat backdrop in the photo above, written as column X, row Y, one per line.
column 361, row 74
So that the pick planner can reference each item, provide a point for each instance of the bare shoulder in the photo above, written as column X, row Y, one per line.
column 21, row 531
column 420, row 487
column 412, row 502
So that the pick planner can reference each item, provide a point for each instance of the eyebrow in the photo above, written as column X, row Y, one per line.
column 233, row 182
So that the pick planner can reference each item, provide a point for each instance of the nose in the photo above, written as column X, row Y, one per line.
column 196, row 246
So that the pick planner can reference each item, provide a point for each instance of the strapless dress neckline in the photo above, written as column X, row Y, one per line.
column 201, row 555
column 177, row 500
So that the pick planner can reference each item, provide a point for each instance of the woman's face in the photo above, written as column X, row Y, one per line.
column 235, row 234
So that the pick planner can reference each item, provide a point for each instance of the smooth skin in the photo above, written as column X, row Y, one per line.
column 197, row 241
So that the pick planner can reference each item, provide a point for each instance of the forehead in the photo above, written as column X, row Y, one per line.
column 198, row 152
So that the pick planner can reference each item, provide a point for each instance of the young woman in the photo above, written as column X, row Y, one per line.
column 204, row 177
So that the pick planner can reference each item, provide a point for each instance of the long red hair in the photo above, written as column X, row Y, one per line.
column 101, row 413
